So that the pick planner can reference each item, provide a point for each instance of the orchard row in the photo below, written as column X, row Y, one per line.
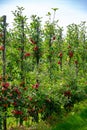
column 40, row 70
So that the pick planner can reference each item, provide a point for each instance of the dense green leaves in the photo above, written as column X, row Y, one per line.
column 44, row 72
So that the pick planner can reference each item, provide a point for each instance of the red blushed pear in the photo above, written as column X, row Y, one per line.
column 5, row 85
column 1, row 35
column 70, row 54
column 14, row 103
column 17, row 91
column 76, row 62
column 25, row 88
column 36, row 48
column 32, row 41
column 27, row 54
column 36, row 86
column 60, row 54
column 59, row 62
column 67, row 93
column 17, row 112
column 54, row 37
column 1, row 48
column 30, row 98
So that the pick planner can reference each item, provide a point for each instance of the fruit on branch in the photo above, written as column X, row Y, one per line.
column 32, row 41
column 54, row 37
column 27, row 54
column 36, row 48
column 5, row 85
column 60, row 54
column 1, row 35
column 36, row 86
column 16, row 90
column 59, row 62
column 70, row 54
column 1, row 48
column 76, row 62
column 67, row 93
column 30, row 98
column 14, row 103
column 17, row 112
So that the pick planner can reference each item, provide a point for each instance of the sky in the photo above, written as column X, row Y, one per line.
column 70, row 11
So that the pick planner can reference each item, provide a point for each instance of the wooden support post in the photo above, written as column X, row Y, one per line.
column 4, row 67
column 22, row 60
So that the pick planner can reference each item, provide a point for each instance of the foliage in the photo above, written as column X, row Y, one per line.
column 75, row 120
column 41, row 72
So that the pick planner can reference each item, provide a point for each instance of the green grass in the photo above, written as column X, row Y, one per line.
column 76, row 120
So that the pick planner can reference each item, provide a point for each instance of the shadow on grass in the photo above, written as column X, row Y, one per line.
column 77, row 121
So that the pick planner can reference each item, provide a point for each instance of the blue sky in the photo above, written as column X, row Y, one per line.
column 70, row 11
